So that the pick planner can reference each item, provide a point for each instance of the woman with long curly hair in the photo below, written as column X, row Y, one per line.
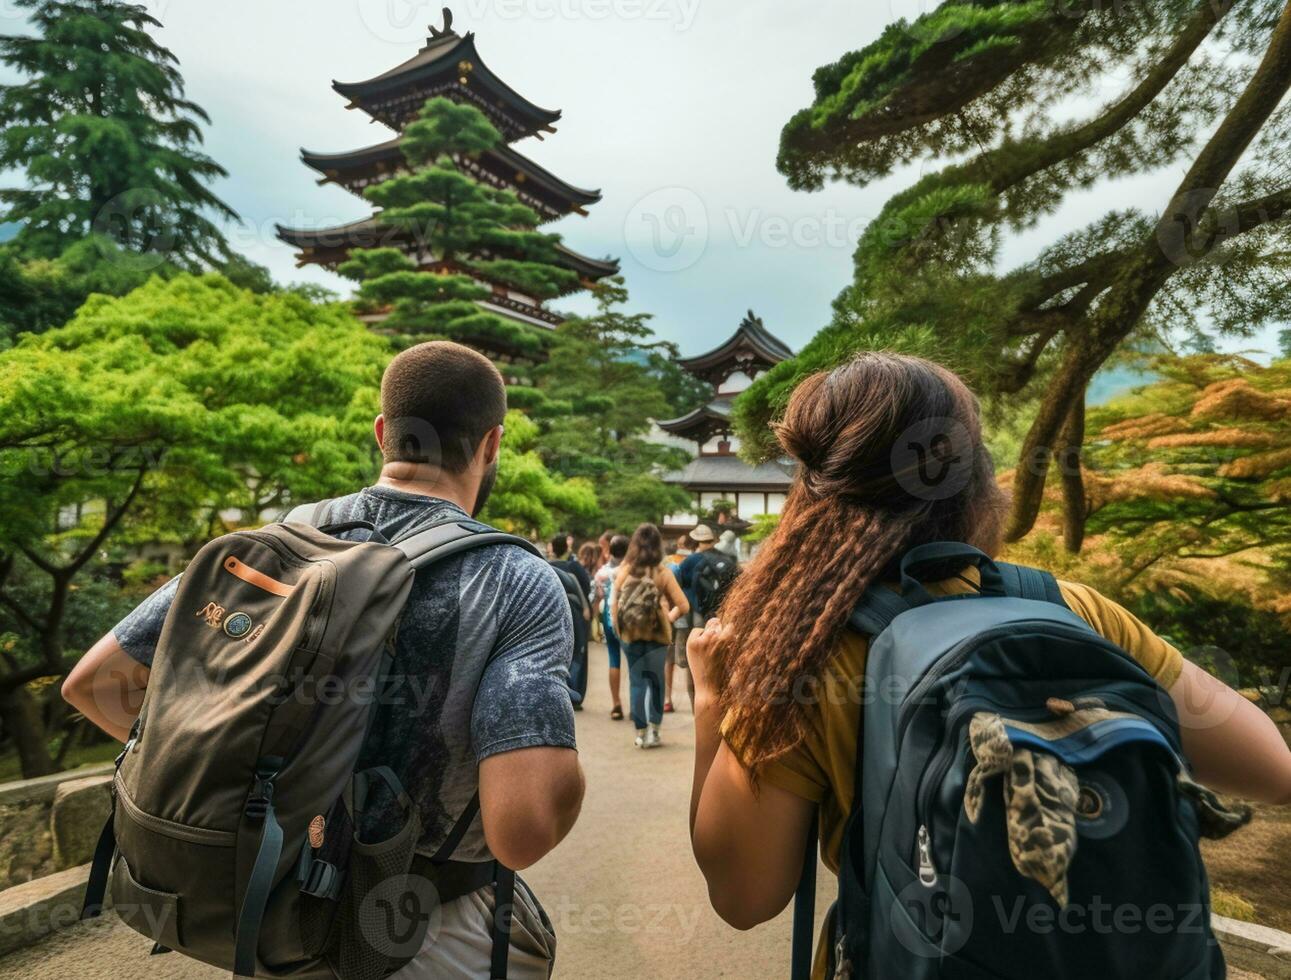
column 890, row 457
column 645, row 601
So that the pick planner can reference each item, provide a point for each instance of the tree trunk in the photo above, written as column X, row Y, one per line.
column 1067, row 390
column 1075, row 505
column 1171, row 246
column 23, row 721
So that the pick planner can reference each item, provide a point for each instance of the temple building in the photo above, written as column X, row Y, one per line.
column 449, row 66
column 717, row 472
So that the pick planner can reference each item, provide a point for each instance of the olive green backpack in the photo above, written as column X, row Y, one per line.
column 236, row 799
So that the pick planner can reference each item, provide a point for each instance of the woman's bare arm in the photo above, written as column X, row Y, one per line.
column 620, row 576
column 1233, row 746
column 749, row 844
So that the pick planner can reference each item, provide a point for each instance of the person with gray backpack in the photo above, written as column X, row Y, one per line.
column 1004, row 771
column 345, row 732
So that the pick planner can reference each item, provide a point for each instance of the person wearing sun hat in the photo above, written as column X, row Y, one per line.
column 704, row 539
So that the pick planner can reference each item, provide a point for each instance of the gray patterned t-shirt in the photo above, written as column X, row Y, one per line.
column 482, row 655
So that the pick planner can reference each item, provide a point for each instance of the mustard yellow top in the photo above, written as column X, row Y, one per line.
column 822, row 768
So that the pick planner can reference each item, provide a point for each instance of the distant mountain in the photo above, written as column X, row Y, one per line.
column 1116, row 381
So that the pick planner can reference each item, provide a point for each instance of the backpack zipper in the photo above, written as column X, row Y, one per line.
column 927, row 870
column 169, row 828
column 327, row 573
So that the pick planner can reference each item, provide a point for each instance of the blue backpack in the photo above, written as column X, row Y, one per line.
column 1027, row 810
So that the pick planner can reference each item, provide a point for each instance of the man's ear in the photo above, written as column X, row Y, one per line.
column 492, row 445
column 379, row 429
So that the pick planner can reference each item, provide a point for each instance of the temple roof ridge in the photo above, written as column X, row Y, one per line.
column 750, row 341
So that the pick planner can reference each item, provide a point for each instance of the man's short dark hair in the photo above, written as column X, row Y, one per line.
column 439, row 400
column 559, row 545
column 619, row 546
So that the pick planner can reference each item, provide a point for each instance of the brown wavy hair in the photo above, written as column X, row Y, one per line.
column 645, row 551
column 890, row 456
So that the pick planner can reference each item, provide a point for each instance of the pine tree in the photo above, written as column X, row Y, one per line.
column 989, row 90
column 108, row 141
column 600, row 390
column 468, row 229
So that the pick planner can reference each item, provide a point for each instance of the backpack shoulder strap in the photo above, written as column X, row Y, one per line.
column 315, row 514
column 876, row 610
column 1022, row 582
column 451, row 537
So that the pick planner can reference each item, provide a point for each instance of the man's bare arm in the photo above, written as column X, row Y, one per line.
column 529, row 801
column 107, row 687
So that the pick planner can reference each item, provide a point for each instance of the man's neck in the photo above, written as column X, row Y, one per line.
column 441, row 489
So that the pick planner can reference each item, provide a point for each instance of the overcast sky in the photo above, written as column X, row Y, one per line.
column 673, row 108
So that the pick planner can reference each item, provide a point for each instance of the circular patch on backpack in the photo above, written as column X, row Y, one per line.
column 317, row 826
column 1101, row 808
column 238, row 625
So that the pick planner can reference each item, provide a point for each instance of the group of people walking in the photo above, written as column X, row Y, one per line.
column 643, row 604
column 1006, row 715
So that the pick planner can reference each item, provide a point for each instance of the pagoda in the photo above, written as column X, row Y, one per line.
column 717, row 472
column 449, row 66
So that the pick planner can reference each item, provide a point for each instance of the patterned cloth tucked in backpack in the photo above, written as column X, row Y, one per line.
column 1040, row 796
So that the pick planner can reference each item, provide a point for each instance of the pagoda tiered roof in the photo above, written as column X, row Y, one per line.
column 331, row 246
column 502, row 167
column 703, row 423
column 448, row 65
column 752, row 348
column 730, row 473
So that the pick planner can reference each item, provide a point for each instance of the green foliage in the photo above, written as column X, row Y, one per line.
column 1244, row 646
column 109, row 142
column 600, row 390
column 470, row 228
column 1198, row 464
column 528, row 498
column 153, row 418
column 215, row 397
column 1189, row 497
column 36, row 294
column 762, row 527
column 995, row 99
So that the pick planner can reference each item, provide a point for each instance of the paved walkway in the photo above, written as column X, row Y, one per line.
column 622, row 890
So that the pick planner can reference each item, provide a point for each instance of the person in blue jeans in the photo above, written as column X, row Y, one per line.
column 646, row 601
column 618, row 548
